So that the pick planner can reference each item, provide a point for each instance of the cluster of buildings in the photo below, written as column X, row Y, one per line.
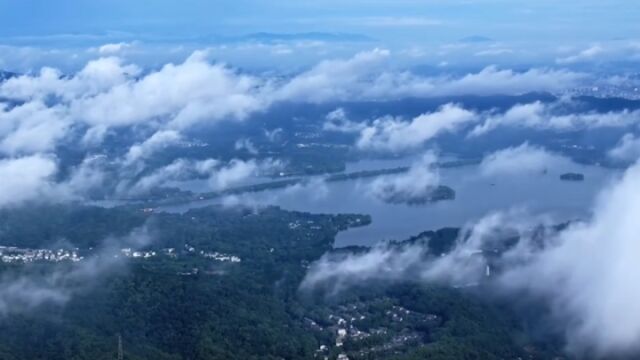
column 212, row 255
column 128, row 252
column 630, row 91
column 10, row 254
column 171, row 252
column 220, row 257
column 396, row 327
column 309, row 223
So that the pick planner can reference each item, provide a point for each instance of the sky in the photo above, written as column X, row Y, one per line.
column 429, row 33
column 385, row 20
column 435, row 33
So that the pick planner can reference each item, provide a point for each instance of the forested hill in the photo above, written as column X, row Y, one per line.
column 216, row 283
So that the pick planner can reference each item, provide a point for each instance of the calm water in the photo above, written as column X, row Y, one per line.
column 476, row 196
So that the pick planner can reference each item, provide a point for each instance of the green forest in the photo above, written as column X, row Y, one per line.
column 181, row 305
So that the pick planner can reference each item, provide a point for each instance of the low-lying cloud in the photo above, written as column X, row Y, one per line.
column 25, row 292
column 521, row 160
column 627, row 149
column 541, row 116
column 220, row 175
column 414, row 186
column 26, row 179
column 46, row 110
column 583, row 273
column 392, row 134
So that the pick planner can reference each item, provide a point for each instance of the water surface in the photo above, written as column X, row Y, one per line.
column 476, row 196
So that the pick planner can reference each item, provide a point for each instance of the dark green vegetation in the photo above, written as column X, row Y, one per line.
column 173, row 196
column 572, row 177
column 78, row 226
column 182, row 305
column 410, row 321
column 429, row 195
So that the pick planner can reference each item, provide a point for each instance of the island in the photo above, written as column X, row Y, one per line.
column 572, row 177
column 395, row 195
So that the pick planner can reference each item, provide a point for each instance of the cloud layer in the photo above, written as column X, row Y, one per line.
column 24, row 292
column 583, row 272
column 391, row 134
column 414, row 186
column 43, row 111
column 521, row 160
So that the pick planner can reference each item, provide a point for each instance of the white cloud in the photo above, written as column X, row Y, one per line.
column 462, row 266
column 525, row 115
column 627, row 149
column 205, row 167
column 113, row 48
column 584, row 55
column 523, row 159
column 338, row 121
column 391, row 134
column 179, row 95
column 33, row 178
column 107, row 93
column 221, row 176
column 379, row 263
column 88, row 176
column 541, row 116
column 314, row 189
column 233, row 173
column 492, row 81
column 32, row 128
column 157, row 178
column 365, row 77
column 274, row 135
column 583, row 273
column 247, row 145
column 159, row 140
column 20, row 293
column 94, row 136
column 332, row 80
column 96, row 77
column 413, row 186
column 237, row 171
column 586, row 272
column 26, row 179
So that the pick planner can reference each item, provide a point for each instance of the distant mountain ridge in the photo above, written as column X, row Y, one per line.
column 309, row 36
column 476, row 39
column 5, row 75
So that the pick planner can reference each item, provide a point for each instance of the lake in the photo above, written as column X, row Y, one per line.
column 476, row 196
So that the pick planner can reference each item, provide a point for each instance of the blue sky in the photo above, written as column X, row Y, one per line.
column 427, row 33
column 387, row 20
